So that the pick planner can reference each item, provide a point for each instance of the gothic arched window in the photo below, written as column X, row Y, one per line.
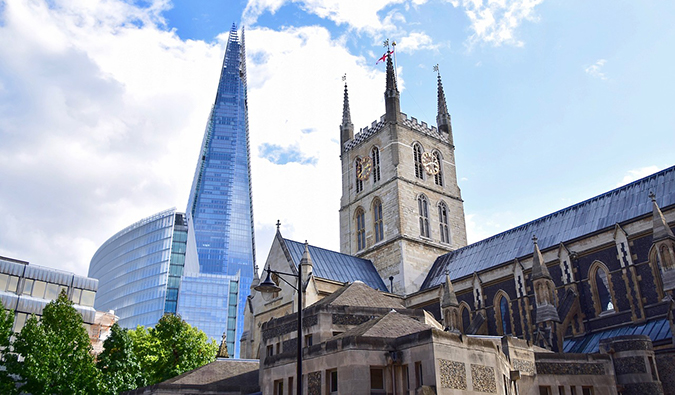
column 360, row 228
column 417, row 154
column 357, row 170
column 466, row 317
column 438, row 177
column 377, row 220
column 601, row 286
column 443, row 222
column 375, row 156
column 503, row 313
column 423, row 206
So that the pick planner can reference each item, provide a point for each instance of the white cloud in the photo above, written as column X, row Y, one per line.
column 295, row 85
column 495, row 21
column 101, row 116
column 595, row 70
column 359, row 15
column 102, row 113
column 416, row 41
column 636, row 174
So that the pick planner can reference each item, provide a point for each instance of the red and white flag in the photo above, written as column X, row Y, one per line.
column 384, row 57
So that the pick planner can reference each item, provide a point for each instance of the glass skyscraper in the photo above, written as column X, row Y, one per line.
column 219, row 211
column 139, row 269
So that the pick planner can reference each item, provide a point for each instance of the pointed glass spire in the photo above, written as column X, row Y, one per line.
column 220, row 213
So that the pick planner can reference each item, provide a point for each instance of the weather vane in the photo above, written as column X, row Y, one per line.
column 385, row 44
column 344, row 77
column 436, row 69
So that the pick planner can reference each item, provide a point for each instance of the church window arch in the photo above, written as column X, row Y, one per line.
column 443, row 222
column 377, row 220
column 465, row 316
column 417, row 156
column 438, row 177
column 423, row 208
column 360, row 228
column 375, row 157
column 357, row 171
column 656, row 266
column 502, row 306
column 601, row 287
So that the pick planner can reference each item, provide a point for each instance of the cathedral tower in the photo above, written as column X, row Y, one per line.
column 401, row 206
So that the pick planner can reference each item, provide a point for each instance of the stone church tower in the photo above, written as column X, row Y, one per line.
column 401, row 206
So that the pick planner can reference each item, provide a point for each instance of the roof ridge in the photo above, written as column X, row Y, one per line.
column 325, row 249
column 568, row 208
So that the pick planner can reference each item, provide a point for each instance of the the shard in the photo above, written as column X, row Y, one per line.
column 220, row 253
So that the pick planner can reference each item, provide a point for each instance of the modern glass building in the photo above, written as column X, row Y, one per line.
column 219, row 208
column 139, row 269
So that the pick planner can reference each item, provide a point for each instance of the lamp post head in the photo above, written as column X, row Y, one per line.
column 267, row 287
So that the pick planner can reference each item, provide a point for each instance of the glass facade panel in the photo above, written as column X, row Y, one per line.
column 3, row 281
column 133, row 269
column 52, row 291
column 203, row 301
column 12, row 283
column 39, row 289
column 87, row 298
column 219, row 205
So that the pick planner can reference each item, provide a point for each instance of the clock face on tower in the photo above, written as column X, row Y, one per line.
column 430, row 163
column 363, row 172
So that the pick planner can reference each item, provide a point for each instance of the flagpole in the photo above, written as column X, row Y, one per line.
column 395, row 65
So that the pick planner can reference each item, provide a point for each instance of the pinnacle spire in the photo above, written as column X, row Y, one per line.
column 539, row 269
column 449, row 296
column 660, row 227
column 443, row 117
column 346, row 113
column 346, row 128
column 391, row 94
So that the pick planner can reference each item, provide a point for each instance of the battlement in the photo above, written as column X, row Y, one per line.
column 412, row 123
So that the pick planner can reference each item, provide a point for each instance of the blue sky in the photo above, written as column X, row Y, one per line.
column 103, row 105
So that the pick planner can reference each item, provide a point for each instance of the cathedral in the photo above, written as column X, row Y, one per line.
column 576, row 302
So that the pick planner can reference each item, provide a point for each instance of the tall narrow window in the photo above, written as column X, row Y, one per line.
column 332, row 376
column 443, row 222
column 438, row 177
column 377, row 220
column 357, row 171
column 375, row 155
column 360, row 228
column 505, row 315
column 466, row 318
column 602, row 284
column 423, row 206
column 417, row 154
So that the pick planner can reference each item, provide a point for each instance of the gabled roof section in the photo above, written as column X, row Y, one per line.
column 603, row 211
column 390, row 326
column 359, row 294
column 335, row 266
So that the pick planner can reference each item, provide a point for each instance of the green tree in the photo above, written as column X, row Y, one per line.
column 170, row 348
column 56, row 353
column 7, row 384
column 119, row 366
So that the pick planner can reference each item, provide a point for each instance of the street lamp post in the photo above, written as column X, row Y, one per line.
column 268, row 287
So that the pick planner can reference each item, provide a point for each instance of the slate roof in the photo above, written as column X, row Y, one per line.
column 656, row 330
column 222, row 376
column 336, row 266
column 603, row 211
column 358, row 294
column 390, row 326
